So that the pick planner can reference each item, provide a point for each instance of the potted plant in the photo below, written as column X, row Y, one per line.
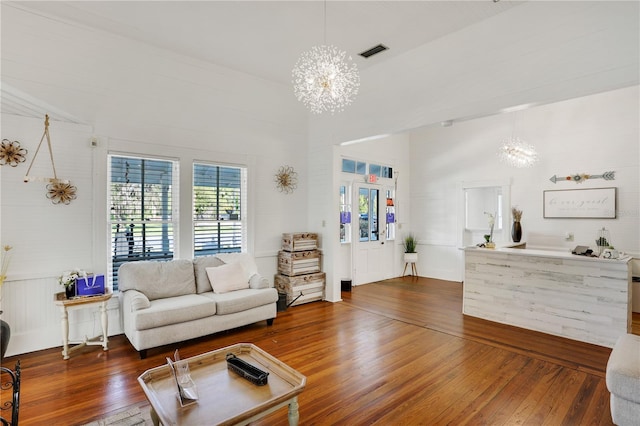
column 410, row 244
column 489, row 237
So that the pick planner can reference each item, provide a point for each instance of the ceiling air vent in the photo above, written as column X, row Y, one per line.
column 375, row 49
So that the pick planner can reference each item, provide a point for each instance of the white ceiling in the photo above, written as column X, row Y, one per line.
column 265, row 38
column 448, row 60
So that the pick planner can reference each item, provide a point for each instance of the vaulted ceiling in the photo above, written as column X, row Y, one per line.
column 265, row 38
column 447, row 60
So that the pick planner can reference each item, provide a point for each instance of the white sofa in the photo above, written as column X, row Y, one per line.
column 623, row 380
column 172, row 301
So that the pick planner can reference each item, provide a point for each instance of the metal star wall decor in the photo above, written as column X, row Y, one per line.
column 286, row 179
column 12, row 153
column 581, row 177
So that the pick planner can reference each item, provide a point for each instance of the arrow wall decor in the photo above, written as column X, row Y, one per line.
column 581, row 177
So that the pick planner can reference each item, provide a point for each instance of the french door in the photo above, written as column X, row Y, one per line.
column 372, row 255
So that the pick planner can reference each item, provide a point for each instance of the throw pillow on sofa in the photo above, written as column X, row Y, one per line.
column 227, row 277
column 258, row 281
column 200, row 265
column 245, row 259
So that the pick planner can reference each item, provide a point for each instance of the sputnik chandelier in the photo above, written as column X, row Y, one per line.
column 324, row 79
column 517, row 153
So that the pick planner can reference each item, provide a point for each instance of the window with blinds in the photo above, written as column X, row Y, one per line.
column 143, row 192
column 219, row 200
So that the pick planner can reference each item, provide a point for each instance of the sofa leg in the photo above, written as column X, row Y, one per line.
column 143, row 354
column 270, row 321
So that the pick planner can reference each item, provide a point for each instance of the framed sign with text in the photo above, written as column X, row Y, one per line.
column 595, row 203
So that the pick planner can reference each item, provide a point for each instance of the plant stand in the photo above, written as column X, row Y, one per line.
column 412, row 259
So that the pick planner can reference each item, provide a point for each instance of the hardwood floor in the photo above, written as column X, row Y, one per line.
column 394, row 352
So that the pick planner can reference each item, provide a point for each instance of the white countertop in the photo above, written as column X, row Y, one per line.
column 556, row 254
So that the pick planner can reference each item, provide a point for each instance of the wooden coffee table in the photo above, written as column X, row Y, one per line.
column 225, row 398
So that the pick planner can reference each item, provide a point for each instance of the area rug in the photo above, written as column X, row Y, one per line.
column 134, row 415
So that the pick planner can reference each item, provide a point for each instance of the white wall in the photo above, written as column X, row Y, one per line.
column 138, row 99
column 592, row 134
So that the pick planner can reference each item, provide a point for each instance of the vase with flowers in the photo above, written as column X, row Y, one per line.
column 5, row 330
column 516, row 228
column 68, row 280
column 489, row 237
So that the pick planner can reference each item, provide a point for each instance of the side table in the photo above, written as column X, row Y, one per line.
column 82, row 302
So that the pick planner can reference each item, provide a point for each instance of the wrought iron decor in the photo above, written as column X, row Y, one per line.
column 596, row 203
column 12, row 383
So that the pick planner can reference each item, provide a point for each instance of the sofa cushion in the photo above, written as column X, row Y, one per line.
column 242, row 300
column 200, row 265
column 225, row 278
column 158, row 280
column 176, row 310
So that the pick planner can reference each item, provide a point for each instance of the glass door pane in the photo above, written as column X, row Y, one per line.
column 363, row 213
column 345, row 214
column 373, row 209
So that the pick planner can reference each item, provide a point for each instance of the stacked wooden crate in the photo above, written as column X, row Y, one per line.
column 299, row 275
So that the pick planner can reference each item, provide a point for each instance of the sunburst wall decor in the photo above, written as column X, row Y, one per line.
column 286, row 179
column 61, row 192
column 12, row 153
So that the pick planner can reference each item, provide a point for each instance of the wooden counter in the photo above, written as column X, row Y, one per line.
column 577, row 297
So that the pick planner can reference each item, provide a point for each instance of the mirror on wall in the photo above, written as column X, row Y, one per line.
column 479, row 198
column 478, row 202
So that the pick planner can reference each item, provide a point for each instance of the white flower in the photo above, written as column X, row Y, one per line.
column 492, row 220
column 69, row 277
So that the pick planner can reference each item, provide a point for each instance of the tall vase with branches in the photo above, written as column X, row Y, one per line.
column 4, row 266
column 516, row 228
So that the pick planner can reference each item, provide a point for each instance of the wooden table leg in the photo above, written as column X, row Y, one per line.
column 65, row 333
column 294, row 415
column 103, row 317
column 405, row 268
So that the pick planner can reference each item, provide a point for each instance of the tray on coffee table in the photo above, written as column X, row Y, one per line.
column 224, row 397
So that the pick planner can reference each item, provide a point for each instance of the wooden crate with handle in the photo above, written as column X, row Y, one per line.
column 301, row 289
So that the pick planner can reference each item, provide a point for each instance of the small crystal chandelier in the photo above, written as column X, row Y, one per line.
column 323, row 79
column 517, row 153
